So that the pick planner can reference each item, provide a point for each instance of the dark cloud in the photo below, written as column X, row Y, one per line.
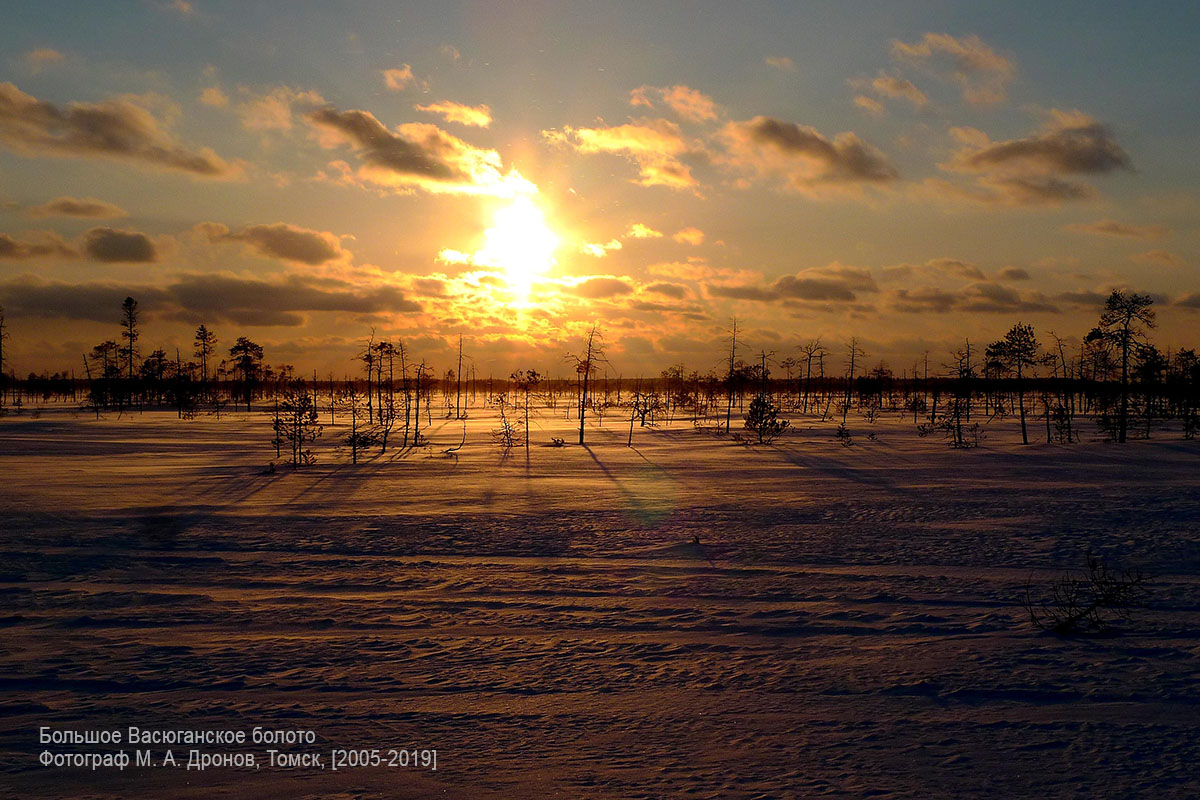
column 597, row 288
column 204, row 298
column 116, row 128
column 1189, row 301
column 985, row 297
column 803, row 155
column 117, row 246
column 97, row 302
column 676, row 290
column 414, row 155
column 1013, row 274
column 835, row 282
column 283, row 241
column 86, row 207
column 1077, row 145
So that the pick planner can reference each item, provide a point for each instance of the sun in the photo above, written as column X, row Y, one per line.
column 520, row 243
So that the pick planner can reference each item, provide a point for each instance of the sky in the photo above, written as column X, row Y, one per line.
column 911, row 174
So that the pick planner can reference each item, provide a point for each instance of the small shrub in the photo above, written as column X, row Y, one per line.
column 1087, row 603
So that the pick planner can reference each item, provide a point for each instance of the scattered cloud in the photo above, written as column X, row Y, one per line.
column 985, row 297
column 86, row 207
column 676, row 290
column 37, row 59
column 1120, row 230
column 478, row 116
column 869, row 104
column 416, row 156
column 115, row 246
column 214, row 97
column 451, row 53
column 934, row 269
column 656, row 146
column 283, row 241
column 782, row 63
column 118, row 128
column 44, row 244
column 688, row 103
column 208, row 298
column 833, row 282
column 689, row 235
column 599, row 287
column 599, row 249
column 982, row 74
column 1013, row 274
column 1161, row 257
column 401, row 78
column 1041, row 168
column 801, row 157
column 181, row 7
column 639, row 231
column 273, row 110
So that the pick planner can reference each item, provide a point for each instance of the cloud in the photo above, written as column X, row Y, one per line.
column 981, row 73
column 114, row 246
column 214, row 97
column 208, row 298
column 689, row 235
column 1071, row 144
column 869, row 104
column 181, row 7
column 1120, row 230
column 451, row 53
column 801, row 156
column 782, row 63
column 1038, row 169
column 676, row 290
column 401, row 78
column 892, row 87
column 86, row 207
column 599, row 249
column 600, row 287
column 688, row 103
column 985, row 297
column 1162, row 257
column 656, row 146
column 28, row 296
column 1013, row 274
column 1189, row 301
column 283, row 241
column 46, row 244
column 273, row 110
column 416, row 155
column 478, row 116
column 639, row 231
column 117, row 128
column 833, row 282
column 935, row 268
column 42, row 57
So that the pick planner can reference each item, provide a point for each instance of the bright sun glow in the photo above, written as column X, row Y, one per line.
column 520, row 243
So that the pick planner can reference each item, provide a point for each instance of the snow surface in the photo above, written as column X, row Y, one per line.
column 689, row 617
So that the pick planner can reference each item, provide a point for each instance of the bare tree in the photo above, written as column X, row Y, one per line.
column 586, row 364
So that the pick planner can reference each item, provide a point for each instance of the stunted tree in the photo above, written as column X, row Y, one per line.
column 205, row 344
column 247, row 361
column 525, row 381
column 1123, row 325
column 3, row 339
column 130, row 334
column 586, row 364
column 1016, row 353
column 854, row 354
column 296, row 423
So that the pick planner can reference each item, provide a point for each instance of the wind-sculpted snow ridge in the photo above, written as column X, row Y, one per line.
column 687, row 617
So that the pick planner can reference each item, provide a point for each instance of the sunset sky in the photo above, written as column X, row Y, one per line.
column 907, row 173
